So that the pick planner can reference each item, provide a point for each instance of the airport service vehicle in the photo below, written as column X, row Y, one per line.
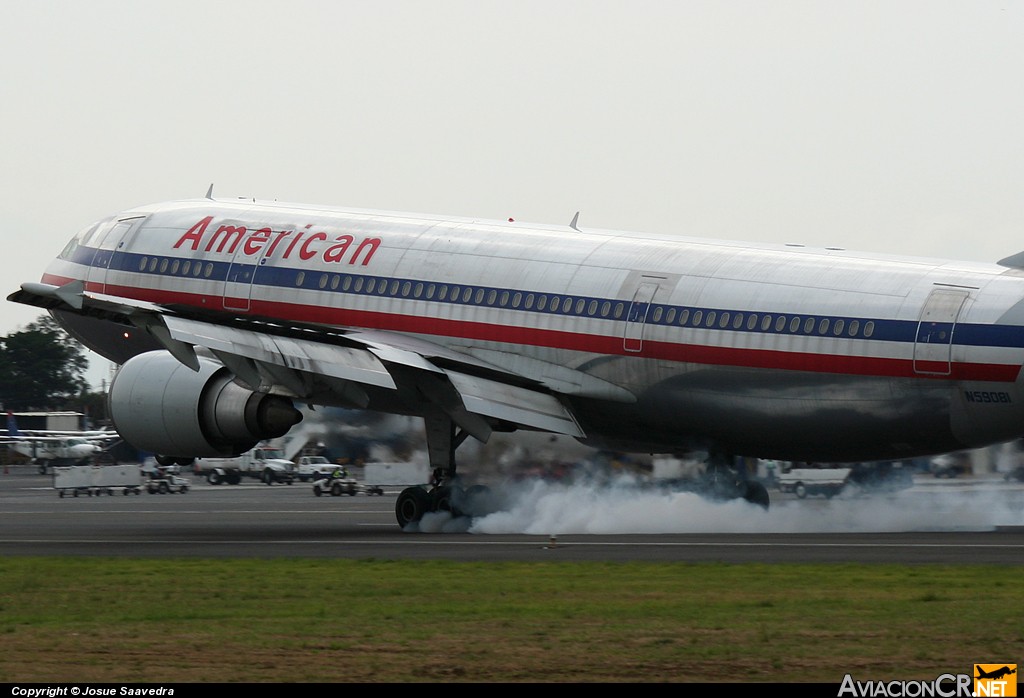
column 378, row 475
column 826, row 480
column 224, row 314
column 950, row 465
column 74, row 480
column 264, row 463
column 336, row 486
column 167, row 484
column 313, row 468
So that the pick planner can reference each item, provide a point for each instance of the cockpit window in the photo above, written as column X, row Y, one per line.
column 69, row 250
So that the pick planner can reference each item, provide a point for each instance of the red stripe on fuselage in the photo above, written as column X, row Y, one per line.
column 574, row 341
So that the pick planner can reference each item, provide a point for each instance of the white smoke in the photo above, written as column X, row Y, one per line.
column 545, row 508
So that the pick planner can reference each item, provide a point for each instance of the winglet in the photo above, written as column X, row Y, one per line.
column 575, row 219
column 209, row 192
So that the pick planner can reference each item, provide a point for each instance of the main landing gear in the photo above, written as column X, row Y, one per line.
column 444, row 493
column 723, row 479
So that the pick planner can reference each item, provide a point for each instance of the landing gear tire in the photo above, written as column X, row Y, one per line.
column 757, row 494
column 411, row 505
column 441, row 499
column 476, row 501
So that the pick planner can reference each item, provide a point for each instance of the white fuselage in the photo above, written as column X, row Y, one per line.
column 775, row 351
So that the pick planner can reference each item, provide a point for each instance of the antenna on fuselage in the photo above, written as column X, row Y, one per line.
column 575, row 219
column 209, row 192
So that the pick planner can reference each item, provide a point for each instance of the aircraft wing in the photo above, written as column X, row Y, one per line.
column 304, row 362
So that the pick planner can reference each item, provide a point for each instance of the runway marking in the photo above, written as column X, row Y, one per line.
column 447, row 540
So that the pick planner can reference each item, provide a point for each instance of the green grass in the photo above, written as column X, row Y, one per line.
column 124, row 620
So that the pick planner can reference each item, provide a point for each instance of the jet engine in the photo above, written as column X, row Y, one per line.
column 158, row 404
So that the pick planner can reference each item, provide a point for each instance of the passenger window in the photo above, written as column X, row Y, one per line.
column 869, row 328
column 837, row 329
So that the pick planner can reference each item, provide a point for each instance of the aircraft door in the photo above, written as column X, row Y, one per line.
column 238, row 282
column 636, row 316
column 933, row 345
column 107, row 239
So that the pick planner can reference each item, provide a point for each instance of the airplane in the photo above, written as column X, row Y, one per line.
column 995, row 674
column 47, row 447
column 224, row 314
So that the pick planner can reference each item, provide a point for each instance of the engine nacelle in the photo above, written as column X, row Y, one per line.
column 158, row 404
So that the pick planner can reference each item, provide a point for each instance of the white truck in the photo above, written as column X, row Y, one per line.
column 312, row 468
column 263, row 462
column 811, row 479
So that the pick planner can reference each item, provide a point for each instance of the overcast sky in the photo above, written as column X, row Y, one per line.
column 886, row 126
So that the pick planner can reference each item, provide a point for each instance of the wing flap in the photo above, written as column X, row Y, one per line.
column 306, row 355
column 514, row 404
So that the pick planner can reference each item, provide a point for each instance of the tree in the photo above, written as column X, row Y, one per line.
column 41, row 367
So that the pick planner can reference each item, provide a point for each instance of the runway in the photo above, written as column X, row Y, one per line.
column 973, row 521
